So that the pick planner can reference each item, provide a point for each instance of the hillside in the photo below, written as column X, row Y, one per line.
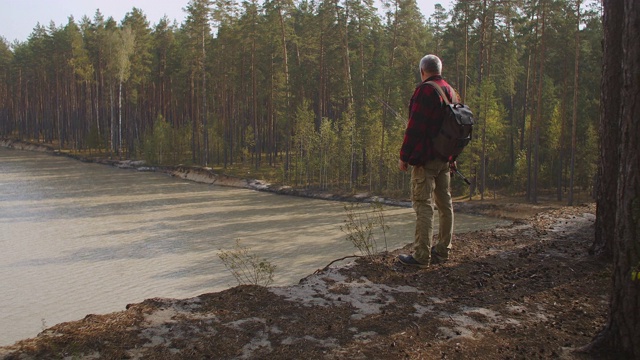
column 528, row 290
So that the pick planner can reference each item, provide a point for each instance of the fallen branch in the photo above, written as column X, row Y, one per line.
column 334, row 261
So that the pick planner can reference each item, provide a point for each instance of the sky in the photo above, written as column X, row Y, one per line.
column 19, row 17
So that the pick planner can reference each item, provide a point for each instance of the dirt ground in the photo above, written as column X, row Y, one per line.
column 525, row 291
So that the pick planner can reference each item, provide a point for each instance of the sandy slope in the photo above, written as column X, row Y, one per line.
column 529, row 290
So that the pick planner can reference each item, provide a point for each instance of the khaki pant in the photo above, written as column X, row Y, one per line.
column 428, row 183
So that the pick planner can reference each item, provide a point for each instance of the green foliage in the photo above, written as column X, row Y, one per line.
column 93, row 139
column 164, row 145
column 361, row 226
column 327, row 147
column 519, row 177
column 587, row 156
column 123, row 44
column 315, row 91
column 306, row 142
column 247, row 268
column 140, row 57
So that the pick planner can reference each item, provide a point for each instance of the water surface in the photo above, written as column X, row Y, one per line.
column 78, row 238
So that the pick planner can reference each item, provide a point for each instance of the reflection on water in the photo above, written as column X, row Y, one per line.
column 79, row 238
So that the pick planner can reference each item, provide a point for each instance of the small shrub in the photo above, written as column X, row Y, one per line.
column 360, row 227
column 247, row 268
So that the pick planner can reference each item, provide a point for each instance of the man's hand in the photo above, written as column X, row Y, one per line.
column 403, row 165
column 452, row 167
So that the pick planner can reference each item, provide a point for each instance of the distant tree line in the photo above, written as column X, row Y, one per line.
column 318, row 91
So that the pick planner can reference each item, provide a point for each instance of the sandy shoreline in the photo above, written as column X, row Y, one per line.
column 207, row 176
column 510, row 210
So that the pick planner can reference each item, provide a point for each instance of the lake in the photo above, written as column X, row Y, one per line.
column 79, row 238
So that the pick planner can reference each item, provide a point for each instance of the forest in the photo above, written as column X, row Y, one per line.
column 315, row 93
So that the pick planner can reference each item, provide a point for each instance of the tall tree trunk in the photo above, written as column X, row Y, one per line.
column 529, row 145
column 350, row 100
column 466, row 51
column 120, row 119
column 112, row 118
column 363, row 92
column 254, row 102
column 622, row 34
column 285, row 59
column 205, row 159
column 563, row 112
column 387, row 99
column 533, row 91
column 474, row 181
column 512, row 112
column 525, row 103
column 58, row 108
column 194, row 120
column 610, row 113
column 481, row 62
column 322, row 109
column 575, row 106
column 536, row 154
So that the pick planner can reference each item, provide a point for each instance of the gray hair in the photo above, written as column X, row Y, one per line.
column 431, row 64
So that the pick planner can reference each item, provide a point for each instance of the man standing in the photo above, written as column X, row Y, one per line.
column 430, row 175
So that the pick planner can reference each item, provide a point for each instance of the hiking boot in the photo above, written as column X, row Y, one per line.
column 437, row 258
column 411, row 261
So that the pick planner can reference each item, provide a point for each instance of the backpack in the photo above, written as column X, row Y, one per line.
column 455, row 132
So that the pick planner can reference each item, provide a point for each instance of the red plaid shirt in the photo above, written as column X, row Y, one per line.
column 425, row 119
